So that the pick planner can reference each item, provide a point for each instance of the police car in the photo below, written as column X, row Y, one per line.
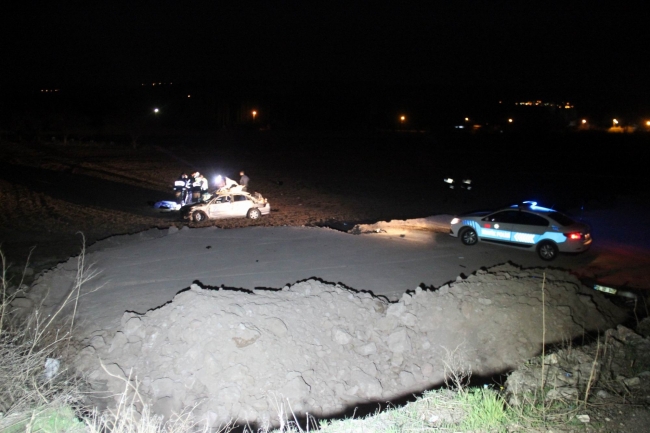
column 526, row 226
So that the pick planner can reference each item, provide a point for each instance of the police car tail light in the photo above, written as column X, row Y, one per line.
column 574, row 236
column 455, row 221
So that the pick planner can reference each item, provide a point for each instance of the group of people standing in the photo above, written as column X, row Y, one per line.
column 189, row 189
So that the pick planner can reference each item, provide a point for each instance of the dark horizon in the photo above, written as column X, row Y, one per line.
column 335, row 60
column 558, row 49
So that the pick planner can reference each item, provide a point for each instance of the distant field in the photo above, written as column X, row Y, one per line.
column 50, row 191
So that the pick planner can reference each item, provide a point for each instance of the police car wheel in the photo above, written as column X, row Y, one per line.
column 254, row 213
column 199, row 216
column 547, row 250
column 468, row 236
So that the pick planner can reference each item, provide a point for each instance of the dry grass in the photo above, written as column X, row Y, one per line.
column 36, row 383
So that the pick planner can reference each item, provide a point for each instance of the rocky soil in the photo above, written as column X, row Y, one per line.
column 327, row 348
column 612, row 375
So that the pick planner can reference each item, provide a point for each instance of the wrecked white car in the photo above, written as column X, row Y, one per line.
column 227, row 204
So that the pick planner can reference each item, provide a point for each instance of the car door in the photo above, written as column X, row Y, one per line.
column 221, row 207
column 497, row 227
column 528, row 228
column 240, row 205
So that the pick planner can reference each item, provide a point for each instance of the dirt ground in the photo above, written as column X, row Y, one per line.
column 51, row 193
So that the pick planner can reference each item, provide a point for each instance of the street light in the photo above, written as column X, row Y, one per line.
column 155, row 110
column 254, row 113
column 615, row 122
column 584, row 121
column 402, row 119
column 509, row 120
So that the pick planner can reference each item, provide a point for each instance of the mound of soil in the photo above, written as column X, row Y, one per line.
column 238, row 354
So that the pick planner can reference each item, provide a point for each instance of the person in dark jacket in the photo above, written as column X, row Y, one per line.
column 181, row 189
column 243, row 181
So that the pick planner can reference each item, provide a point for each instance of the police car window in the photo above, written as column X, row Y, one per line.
column 530, row 219
column 507, row 216
column 561, row 218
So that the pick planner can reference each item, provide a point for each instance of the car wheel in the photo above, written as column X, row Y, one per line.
column 254, row 213
column 547, row 250
column 468, row 236
column 199, row 216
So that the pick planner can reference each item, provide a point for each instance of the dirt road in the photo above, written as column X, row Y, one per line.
column 50, row 192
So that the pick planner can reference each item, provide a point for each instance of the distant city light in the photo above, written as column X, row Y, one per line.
column 615, row 121
column 254, row 113
column 509, row 120
column 467, row 119
column 647, row 123
column 402, row 118
column 538, row 103
column 584, row 121
column 155, row 110
column 189, row 96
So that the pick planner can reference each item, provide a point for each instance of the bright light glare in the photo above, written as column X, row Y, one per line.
column 455, row 221
column 615, row 121
column 509, row 120
column 402, row 118
column 467, row 119
column 155, row 110
column 647, row 123
column 584, row 121
column 449, row 180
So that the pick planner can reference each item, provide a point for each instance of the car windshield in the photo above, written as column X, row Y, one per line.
column 561, row 218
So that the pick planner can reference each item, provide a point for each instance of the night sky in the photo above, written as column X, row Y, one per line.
column 522, row 49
